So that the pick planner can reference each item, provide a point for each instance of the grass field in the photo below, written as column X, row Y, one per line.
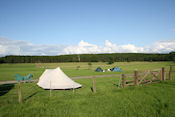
column 155, row 100
column 8, row 71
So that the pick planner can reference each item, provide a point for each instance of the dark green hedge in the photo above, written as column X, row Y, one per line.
column 115, row 57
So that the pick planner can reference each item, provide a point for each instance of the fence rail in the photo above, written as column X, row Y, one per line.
column 146, row 77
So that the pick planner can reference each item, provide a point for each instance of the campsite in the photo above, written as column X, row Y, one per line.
column 109, row 100
column 87, row 58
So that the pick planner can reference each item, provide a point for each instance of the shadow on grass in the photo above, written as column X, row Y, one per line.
column 30, row 96
column 92, row 89
column 116, row 85
column 5, row 88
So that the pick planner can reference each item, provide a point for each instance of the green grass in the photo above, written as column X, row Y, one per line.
column 8, row 71
column 156, row 100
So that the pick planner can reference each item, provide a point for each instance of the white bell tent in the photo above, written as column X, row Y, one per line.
column 56, row 79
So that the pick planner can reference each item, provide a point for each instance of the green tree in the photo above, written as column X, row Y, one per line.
column 90, row 65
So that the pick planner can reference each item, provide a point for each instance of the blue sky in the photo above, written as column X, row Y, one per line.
column 68, row 22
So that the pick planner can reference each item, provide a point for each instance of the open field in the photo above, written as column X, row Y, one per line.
column 8, row 71
column 155, row 100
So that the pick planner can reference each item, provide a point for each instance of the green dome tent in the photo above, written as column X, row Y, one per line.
column 99, row 69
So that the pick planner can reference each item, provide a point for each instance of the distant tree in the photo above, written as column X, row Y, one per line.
column 90, row 65
column 172, row 56
column 110, row 62
column 1, row 60
column 110, row 58
column 172, row 52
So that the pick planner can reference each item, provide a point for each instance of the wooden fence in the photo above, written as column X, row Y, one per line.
column 146, row 77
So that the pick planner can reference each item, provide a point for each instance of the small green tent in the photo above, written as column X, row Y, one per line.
column 99, row 69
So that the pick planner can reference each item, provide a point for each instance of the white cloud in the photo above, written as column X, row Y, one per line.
column 85, row 47
column 157, row 47
column 17, row 47
column 2, row 49
column 163, row 46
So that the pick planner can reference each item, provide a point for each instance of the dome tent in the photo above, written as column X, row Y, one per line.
column 56, row 79
column 116, row 69
column 99, row 69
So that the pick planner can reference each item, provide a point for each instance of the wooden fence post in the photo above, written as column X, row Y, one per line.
column 19, row 92
column 94, row 84
column 123, row 81
column 170, row 73
column 163, row 74
column 136, row 78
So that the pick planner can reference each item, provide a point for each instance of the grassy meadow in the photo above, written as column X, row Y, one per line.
column 8, row 71
column 155, row 100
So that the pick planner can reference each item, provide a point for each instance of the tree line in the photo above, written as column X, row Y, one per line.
column 114, row 57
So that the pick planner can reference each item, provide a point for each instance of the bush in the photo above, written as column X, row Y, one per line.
column 110, row 62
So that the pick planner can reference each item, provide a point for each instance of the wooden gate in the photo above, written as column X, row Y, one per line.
column 150, row 76
column 146, row 77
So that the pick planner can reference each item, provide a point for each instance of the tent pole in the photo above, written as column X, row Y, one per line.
column 119, row 83
column 73, row 90
column 50, row 90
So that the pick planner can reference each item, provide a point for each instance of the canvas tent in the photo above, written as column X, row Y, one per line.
column 56, row 79
column 99, row 69
column 116, row 69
